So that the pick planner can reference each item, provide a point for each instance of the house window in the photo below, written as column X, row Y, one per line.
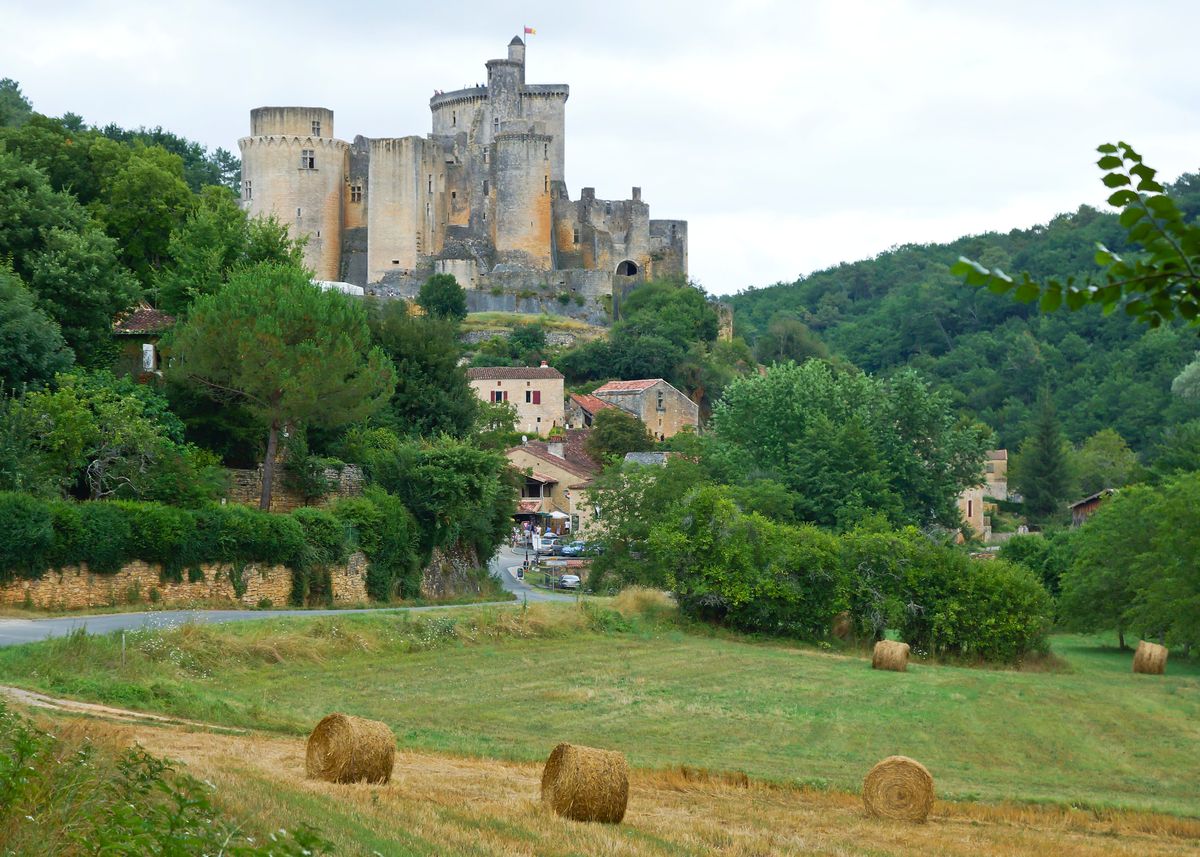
column 308, row 159
column 247, row 190
column 149, row 358
column 661, row 405
column 970, row 509
column 533, row 397
column 499, row 396
column 356, row 193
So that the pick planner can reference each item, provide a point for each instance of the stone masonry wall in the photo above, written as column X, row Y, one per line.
column 74, row 587
column 245, row 487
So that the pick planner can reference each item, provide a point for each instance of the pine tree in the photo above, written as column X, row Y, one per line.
column 1043, row 477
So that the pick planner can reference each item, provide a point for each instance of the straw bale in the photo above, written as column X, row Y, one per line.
column 1150, row 658
column 890, row 655
column 586, row 784
column 347, row 749
column 899, row 788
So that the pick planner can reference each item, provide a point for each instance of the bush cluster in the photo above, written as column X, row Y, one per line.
column 37, row 535
column 758, row 575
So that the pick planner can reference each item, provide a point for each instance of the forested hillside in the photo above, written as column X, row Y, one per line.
column 904, row 308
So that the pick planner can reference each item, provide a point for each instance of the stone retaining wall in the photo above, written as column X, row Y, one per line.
column 245, row 487
column 74, row 587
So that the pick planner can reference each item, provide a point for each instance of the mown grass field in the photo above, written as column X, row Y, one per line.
column 499, row 684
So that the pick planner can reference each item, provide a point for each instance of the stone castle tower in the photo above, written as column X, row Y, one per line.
column 483, row 197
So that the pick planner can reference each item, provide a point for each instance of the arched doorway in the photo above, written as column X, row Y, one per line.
column 627, row 269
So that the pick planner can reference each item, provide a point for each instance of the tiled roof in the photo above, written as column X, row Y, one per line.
column 628, row 386
column 574, row 459
column 528, row 507
column 511, row 373
column 590, row 403
column 997, row 455
column 542, row 477
column 143, row 319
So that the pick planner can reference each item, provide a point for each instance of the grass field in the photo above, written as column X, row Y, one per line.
column 498, row 683
column 505, row 321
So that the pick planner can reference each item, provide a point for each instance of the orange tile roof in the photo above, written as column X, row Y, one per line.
column 143, row 319
column 590, row 403
column 628, row 386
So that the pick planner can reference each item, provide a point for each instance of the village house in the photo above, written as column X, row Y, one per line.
column 557, row 474
column 665, row 410
column 535, row 391
column 582, row 409
column 1083, row 509
column 137, row 333
column 995, row 474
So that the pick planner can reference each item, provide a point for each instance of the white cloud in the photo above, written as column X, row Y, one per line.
column 792, row 135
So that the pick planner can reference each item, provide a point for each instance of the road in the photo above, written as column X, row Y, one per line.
column 14, row 632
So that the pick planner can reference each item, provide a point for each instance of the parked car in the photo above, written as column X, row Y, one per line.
column 574, row 549
column 551, row 545
column 568, row 581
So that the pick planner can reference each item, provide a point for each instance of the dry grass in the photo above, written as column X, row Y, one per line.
column 439, row 804
column 651, row 604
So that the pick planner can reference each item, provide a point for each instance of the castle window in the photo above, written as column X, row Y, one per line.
column 453, row 195
column 316, row 128
column 308, row 159
column 247, row 190
column 496, row 125
column 395, row 261
column 297, row 211
column 431, row 184
column 356, row 193
column 545, row 184
column 576, row 235
column 485, row 154
column 453, row 117
column 485, row 187
column 608, row 208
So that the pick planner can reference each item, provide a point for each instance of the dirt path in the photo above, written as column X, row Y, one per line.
column 70, row 706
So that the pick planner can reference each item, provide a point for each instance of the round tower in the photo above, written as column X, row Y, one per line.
column 521, row 231
column 294, row 168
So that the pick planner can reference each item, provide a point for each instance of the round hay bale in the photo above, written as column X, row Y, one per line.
column 1150, row 658
column 586, row 784
column 347, row 749
column 890, row 655
column 842, row 626
column 899, row 788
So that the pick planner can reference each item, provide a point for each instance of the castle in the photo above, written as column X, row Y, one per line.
column 483, row 197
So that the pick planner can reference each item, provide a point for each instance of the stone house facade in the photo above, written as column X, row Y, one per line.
column 557, row 477
column 535, row 391
column 665, row 410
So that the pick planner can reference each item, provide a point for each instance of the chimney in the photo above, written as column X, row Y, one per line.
column 545, row 365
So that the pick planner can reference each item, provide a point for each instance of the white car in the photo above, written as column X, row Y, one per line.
column 568, row 581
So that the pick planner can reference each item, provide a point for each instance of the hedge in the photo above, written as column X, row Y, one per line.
column 39, row 535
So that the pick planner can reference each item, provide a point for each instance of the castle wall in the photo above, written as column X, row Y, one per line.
column 521, row 231
column 406, row 214
column 668, row 249
column 291, row 122
column 307, row 200
column 547, row 105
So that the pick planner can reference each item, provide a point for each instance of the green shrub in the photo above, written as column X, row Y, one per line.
column 386, row 532
column 158, row 534
column 68, row 534
column 26, row 535
column 988, row 610
column 106, row 537
column 564, row 298
column 325, row 535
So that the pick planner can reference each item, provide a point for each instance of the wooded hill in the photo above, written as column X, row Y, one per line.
column 904, row 308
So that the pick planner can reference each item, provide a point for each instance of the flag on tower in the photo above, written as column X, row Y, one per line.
column 530, row 31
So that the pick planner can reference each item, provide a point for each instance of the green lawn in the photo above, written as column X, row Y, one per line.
column 1094, row 735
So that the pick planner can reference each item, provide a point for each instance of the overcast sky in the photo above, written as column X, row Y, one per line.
column 792, row 135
